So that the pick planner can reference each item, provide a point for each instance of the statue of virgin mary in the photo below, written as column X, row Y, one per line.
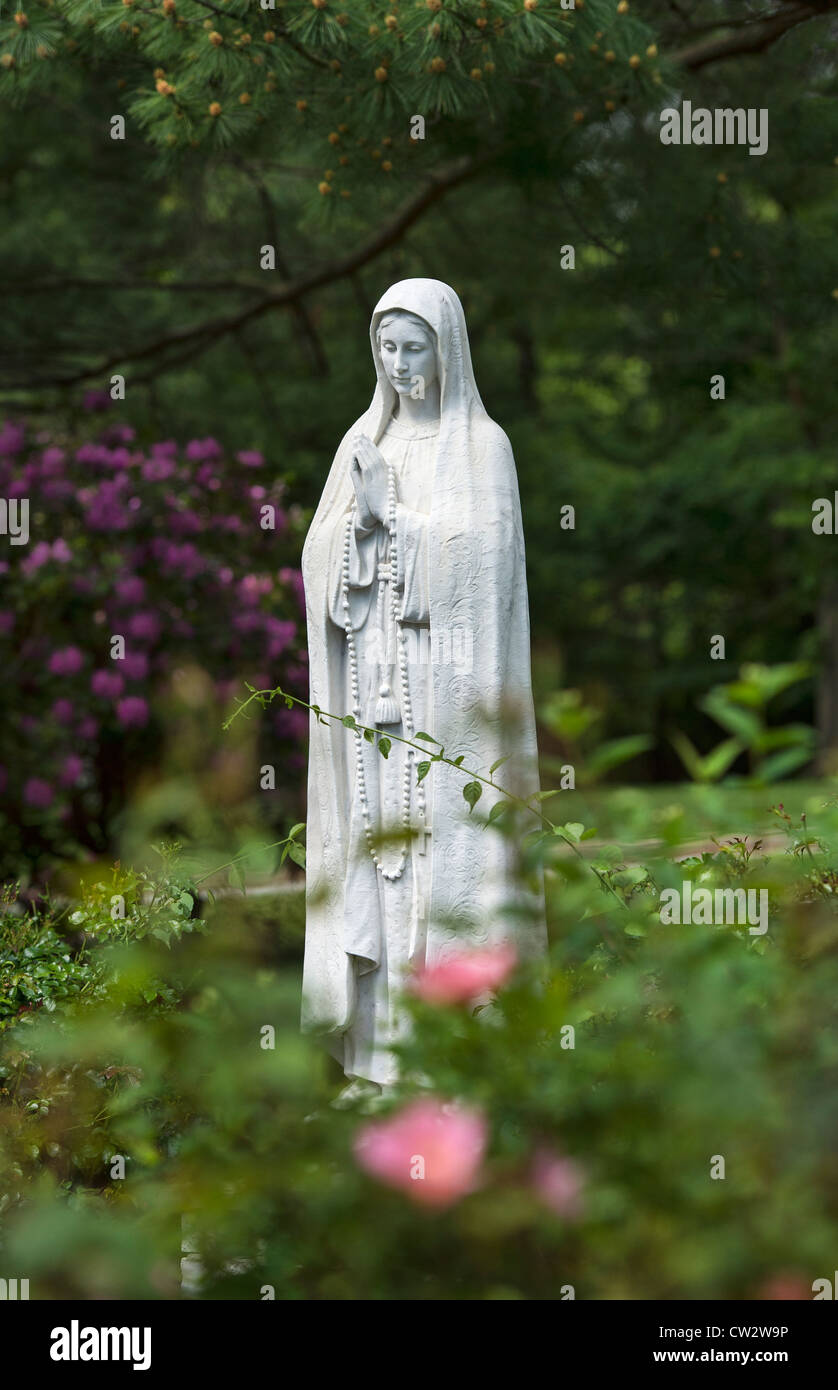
column 418, row 624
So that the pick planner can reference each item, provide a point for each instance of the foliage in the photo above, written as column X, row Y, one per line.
column 693, row 516
column 608, row 1083
column 740, row 708
column 199, row 73
column 166, row 549
column 51, row 957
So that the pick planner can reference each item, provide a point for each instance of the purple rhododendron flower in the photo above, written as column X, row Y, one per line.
column 52, row 461
column 71, row 770
column 132, row 712
column 38, row 793
column 251, row 458
column 200, row 449
column 68, row 661
column 105, row 510
column 253, row 586
column 185, row 523
column 42, row 552
column 56, row 489
column 144, row 626
column 131, row 589
column 63, row 712
column 251, row 621
column 281, row 633
column 294, row 579
column 158, row 468
column 292, row 723
column 134, row 666
column 107, row 684
column 39, row 555
column 11, row 438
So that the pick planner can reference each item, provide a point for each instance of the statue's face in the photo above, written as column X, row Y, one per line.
column 408, row 354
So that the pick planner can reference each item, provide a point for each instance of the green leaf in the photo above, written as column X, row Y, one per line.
column 297, row 853
column 384, row 746
column 472, row 791
column 369, row 735
column 499, row 763
column 458, row 761
column 573, row 830
column 616, row 751
column 779, row 765
column 758, row 684
column 428, row 738
column 422, row 770
column 295, row 829
column 714, row 765
column 348, row 721
column 497, row 810
column 742, row 723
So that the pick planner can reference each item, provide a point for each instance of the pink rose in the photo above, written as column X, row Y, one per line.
column 785, row 1286
column 558, row 1182
column 429, row 1150
column 466, row 976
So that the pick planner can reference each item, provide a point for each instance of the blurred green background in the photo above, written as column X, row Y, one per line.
column 223, row 259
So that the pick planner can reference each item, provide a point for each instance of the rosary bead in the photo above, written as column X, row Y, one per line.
column 387, row 575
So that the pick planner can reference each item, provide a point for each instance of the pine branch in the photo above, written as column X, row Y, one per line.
column 751, row 38
column 290, row 295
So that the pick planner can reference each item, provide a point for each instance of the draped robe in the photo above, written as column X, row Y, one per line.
column 461, row 589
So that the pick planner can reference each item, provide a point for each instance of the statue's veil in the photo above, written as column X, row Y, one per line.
column 441, row 309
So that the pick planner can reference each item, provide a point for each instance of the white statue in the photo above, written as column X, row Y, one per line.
column 417, row 623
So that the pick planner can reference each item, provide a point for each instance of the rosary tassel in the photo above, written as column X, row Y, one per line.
column 386, row 710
